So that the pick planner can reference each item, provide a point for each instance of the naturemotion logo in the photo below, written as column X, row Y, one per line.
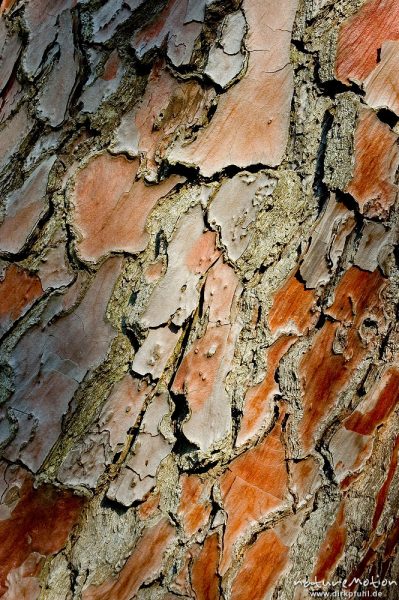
column 353, row 588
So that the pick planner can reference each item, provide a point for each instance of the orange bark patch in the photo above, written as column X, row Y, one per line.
column 149, row 507
column 357, row 573
column 362, row 36
column 305, row 477
column 262, row 566
column 350, row 451
column 376, row 160
column 292, row 305
column 111, row 208
column 377, row 405
column 324, row 373
column 328, row 240
column 258, row 105
column 176, row 295
column 18, row 290
column 23, row 582
column 333, row 547
column 204, row 577
column 358, row 295
column 122, row 408
column 201, row 378
column 381, row 404
column 167, row 104
column 6, row 5
column 197, row 374
column 255, row 484
column 257, row 404
column 203, row 253
column 383, row 493
column 195, row 507
column 220, row 291
column 203, row 371
column 251, row 140
column 382, row 86
column 144, row 563
column 168, row 107
column 40, row 522
column 154, row 271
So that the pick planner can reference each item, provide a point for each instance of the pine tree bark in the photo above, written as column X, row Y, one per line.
column 198, row 297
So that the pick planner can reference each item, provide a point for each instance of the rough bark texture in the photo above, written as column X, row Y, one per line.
column 198, row 297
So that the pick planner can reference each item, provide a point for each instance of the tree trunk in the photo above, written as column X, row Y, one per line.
column 198, row 296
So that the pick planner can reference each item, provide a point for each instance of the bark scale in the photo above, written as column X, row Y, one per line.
column 198, row 299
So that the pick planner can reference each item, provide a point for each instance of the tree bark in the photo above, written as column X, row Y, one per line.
column 198, row 296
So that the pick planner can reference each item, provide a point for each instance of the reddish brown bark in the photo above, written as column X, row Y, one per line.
column 198, row 298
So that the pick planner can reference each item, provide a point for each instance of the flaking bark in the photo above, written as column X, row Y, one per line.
column 199, row 283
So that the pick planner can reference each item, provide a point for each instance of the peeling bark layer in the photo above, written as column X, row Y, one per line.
column 199, row 287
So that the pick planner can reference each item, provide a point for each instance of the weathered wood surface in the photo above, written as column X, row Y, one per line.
column 199, row 286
